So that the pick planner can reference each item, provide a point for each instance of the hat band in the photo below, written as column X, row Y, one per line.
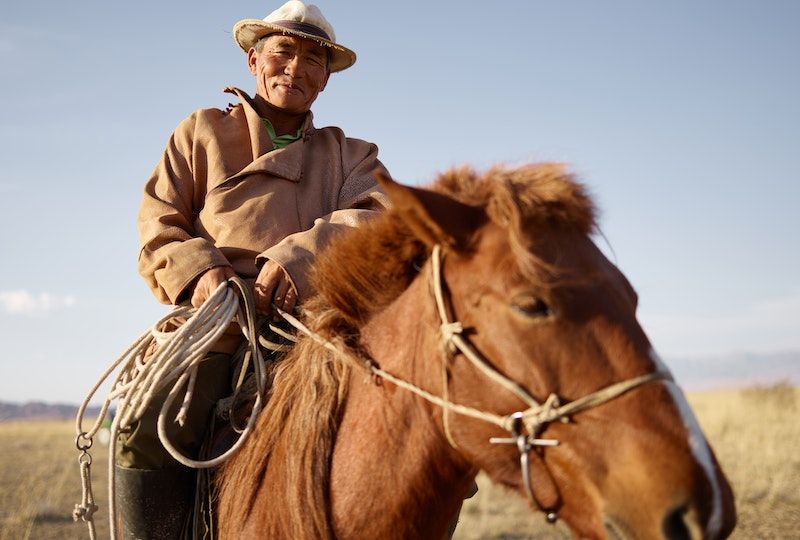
column 303, row 27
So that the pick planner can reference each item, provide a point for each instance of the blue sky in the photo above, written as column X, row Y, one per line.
column 681, row 117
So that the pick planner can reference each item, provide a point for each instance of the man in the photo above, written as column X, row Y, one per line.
column 255, row 190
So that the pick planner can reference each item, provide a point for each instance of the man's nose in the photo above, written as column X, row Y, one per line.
column 292, row 66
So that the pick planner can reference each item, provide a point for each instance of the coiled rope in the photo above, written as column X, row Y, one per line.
column 175, row 363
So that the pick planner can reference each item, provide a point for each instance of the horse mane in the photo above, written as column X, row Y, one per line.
column 359, row 275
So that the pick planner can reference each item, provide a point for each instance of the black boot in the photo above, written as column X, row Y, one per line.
column 153, row 504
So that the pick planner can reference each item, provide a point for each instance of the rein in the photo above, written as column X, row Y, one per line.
column 525, row 425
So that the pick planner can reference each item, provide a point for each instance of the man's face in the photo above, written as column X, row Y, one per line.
column 290, row 72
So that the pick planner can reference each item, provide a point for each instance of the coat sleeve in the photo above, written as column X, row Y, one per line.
column 359, row 199
column 171, row 254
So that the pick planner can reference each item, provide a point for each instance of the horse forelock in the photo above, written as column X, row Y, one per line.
column 367, row 268
column 530, row 197
column 530, row 203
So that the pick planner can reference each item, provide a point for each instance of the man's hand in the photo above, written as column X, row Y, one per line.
column 208, row 283
column 274, row 286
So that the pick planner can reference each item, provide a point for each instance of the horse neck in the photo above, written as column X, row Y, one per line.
column 393, row 473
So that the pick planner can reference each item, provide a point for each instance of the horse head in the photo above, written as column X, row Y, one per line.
column 539, row 304
column 474, row 326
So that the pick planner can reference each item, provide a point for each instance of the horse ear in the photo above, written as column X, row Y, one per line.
column 433, row 217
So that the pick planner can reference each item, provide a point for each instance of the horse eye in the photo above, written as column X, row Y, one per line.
column 531, row 306
column 418, row 262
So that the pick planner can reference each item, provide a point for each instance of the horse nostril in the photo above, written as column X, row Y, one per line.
column 674, row 525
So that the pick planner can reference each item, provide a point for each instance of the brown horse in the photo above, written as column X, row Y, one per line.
column 340, row 452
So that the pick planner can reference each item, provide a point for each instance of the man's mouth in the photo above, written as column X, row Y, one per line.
column 291, row 87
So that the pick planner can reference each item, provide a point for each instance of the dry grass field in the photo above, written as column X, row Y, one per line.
column 755, row 432
column 40, row 482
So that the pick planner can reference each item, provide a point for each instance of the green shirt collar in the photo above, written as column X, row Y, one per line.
column 283, row 140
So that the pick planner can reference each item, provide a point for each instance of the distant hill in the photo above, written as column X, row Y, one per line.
column 37, row 410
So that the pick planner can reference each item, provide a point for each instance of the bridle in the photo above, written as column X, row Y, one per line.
column 525, row 425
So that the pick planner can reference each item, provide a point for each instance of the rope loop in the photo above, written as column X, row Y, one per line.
column 85, row 510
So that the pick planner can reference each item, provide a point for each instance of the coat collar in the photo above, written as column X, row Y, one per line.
column 284, row 162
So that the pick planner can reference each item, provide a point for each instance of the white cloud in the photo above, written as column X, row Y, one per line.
column 25, row 303
column 770, row 326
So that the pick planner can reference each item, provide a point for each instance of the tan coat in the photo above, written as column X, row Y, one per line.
column 222, row 196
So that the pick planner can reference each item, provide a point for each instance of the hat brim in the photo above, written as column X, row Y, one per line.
column 248, row 31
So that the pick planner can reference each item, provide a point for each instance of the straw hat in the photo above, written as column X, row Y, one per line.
column 297, row 19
